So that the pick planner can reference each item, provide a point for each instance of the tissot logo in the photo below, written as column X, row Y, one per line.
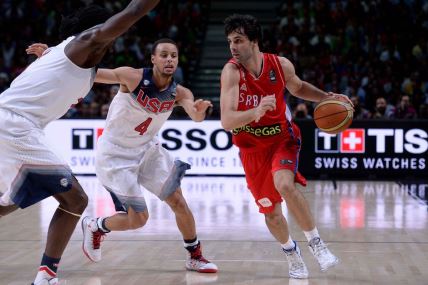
column 375, row 140
column 353, row 141
column 349, row 141
column 326, row 143
column 82, row 138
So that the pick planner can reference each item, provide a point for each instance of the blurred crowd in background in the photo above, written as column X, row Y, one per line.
column 23, row 22
column 376, row 52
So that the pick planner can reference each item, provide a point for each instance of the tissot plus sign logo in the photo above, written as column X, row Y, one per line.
column 84, row 138
column 349, row 141
column 352, row 141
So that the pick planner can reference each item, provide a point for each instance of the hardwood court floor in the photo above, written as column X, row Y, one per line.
column 377, row 229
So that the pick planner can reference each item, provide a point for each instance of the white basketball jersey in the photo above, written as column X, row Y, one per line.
column 134, row 119
column 129, row 125
column 48, row 87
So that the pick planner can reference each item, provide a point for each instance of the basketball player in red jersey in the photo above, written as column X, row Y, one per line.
column 253, row 108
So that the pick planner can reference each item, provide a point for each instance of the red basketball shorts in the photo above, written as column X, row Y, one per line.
column 260, row 166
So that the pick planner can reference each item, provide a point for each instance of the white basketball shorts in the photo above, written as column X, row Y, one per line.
column 128, row 172
column 29, row 170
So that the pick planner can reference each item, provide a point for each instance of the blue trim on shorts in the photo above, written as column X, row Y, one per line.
column 119, row 207
column 297, row 156
column 290, row 129
column 122, row 203
column 32, row 185
column 174, row 181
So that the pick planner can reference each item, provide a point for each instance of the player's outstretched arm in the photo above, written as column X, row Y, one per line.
column 122, row 21
column 118, row 75
column 229, row 97
column 303, row 89
column 113, row 76
column 87, row 49
column 195, row 109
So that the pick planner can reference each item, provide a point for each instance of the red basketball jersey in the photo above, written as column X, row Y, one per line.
column 275, row 125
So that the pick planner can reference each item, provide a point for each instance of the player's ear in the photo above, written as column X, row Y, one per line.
column 255, row 43
column 153, row 59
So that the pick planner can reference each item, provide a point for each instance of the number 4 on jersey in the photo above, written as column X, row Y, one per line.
column 142, row 128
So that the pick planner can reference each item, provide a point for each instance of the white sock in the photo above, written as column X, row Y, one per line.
column 312, row 234
column 191, row 244
column 289, row 244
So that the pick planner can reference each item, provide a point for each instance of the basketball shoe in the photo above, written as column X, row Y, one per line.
column 322, row 254
column 296, row 267
column 196, row 262
column 92, row 238
column 52, row 281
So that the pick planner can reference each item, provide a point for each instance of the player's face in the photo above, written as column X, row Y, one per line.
column 240, row 46
column 165, row 58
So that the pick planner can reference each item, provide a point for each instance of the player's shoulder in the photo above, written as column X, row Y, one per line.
column 230, row 65
column 181, row 89
column 286, row 64
column 183, row 93
column 91, row 35
column 283, row 60
column 230, row 71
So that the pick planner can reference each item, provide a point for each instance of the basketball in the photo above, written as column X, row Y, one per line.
column 333, row 116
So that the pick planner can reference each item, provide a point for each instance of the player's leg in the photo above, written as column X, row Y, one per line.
column 277, row 225
column 161, row 175
column 285, row 175
column 131, row 220
column 31, row 172
column 257, row 169
column 296, row 202
column 186, row 225
column 118, row 170
column 71, row 205
column 132, row 214
column 183, row 215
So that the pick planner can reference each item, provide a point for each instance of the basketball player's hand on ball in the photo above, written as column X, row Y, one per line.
column 341, row 97
column 37, row 49
column 267, row 103
column 200, row 106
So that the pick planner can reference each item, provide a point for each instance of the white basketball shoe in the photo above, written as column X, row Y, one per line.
column 92, row 238
column 196, row 262
column 296, row 267
column 322, row 254
column 52, row 281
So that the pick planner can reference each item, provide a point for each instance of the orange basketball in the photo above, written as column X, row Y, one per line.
column 333, row 116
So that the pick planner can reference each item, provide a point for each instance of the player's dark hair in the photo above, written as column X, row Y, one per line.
column 162, row 41
column 245, row 25
column 83, row 19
